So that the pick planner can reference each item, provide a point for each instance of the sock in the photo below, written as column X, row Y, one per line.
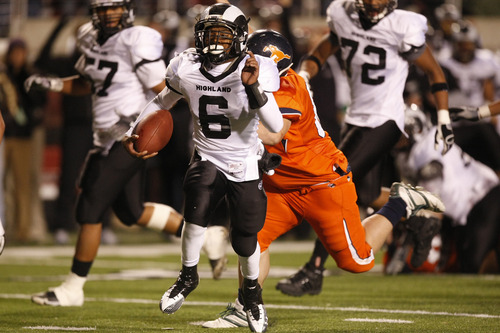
column 393, row 210
column 250, row 265
column 81, row 268
column 193, row 236
column 320, row 253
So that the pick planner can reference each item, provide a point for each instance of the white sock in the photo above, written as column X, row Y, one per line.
column 192, row 240
column 250, row 265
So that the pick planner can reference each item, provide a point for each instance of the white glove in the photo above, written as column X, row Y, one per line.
column 444, row 132
column 470, row 113
column 39, row 82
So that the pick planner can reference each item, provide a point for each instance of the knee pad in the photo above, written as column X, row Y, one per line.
column 243, row 245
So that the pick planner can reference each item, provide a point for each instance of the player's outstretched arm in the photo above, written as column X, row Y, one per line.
column 72, row 85
column 312, row 63
column 475, row 113
column 439, row 88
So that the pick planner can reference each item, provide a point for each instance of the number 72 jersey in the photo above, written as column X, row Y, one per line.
column 376, row 70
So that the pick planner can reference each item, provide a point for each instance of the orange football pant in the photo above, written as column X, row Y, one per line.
column 333, row 214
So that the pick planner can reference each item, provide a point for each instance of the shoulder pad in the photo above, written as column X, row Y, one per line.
column 86, row 36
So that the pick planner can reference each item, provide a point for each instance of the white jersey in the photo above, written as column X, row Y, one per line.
column 122, row 72
column 225, row 128
column 377, row 71
column 465, row 181
column 470, row 77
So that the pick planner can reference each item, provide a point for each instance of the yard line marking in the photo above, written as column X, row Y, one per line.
column 370, row 320
column 59, row 328
column 275, row 306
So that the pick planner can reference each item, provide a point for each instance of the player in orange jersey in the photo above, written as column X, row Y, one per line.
column 314, row 183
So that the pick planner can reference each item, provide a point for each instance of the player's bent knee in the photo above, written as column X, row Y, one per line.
column 160, row 217
column 354, row 267
column 244, row 246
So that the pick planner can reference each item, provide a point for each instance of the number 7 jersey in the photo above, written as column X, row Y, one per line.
column 376, row 70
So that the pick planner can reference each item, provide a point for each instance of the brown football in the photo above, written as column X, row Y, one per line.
column 154, row 131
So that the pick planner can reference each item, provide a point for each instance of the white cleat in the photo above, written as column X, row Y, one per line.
column 233, row 316
column 416, row 199
column 59, row 296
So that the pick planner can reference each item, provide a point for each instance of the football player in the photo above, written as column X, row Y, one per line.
column 228, row 91
column 377, row 44
column 314, row 182
column 120, row 63
column 472, row 202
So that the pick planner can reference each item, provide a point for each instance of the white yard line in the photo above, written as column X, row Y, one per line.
column 275, row 306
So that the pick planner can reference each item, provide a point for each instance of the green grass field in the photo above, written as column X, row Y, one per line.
column 128, row 281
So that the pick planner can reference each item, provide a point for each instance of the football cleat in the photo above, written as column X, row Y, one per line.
column 416, row 199
column 173, row 298
column 59, row 296
column 422, row 229
column 233, row 316
column 308, row 280
column 254, row 306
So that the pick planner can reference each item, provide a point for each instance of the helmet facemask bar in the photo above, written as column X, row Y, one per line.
column 100, row 20
column 375, row 13
column 217, row 41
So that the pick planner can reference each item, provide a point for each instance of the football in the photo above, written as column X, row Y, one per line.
column 154, row 131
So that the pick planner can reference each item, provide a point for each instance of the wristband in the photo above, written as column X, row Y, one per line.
column 256, row 96
column 484, row 111
column 56, row 84
column 315, row 59
column 443, row 117
column 442, row 86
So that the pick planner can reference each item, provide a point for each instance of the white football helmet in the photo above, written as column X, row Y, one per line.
column 374, row 13
column 417, row 125
column 213, row 44
column 126, row 19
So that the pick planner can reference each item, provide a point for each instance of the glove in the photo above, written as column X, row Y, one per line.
column 268, row 162
column 470, row 113
column 39, row 82
column 444, row 132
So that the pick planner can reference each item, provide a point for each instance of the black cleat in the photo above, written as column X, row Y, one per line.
column 308, row 280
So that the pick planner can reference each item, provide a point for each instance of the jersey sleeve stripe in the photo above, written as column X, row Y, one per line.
column 289, row 111
column 170, row 87
column 145, row 61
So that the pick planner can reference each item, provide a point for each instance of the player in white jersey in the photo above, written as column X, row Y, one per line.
column 228, row 91
column 377, row 44
column 471, row 76
column 120, row 63
column 469, row 189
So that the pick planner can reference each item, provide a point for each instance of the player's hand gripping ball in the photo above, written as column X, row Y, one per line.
column 154, row 131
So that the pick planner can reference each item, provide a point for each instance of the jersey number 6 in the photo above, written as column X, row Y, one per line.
column 214, row 126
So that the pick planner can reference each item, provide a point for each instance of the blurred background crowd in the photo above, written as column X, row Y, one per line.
column 48, row 135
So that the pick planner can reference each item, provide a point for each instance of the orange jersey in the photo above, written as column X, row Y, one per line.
column 308, row 154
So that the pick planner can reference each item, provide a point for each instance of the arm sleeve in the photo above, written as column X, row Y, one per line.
column 270, row 114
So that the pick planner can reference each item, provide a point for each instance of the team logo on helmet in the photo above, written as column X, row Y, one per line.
column 276, row 54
